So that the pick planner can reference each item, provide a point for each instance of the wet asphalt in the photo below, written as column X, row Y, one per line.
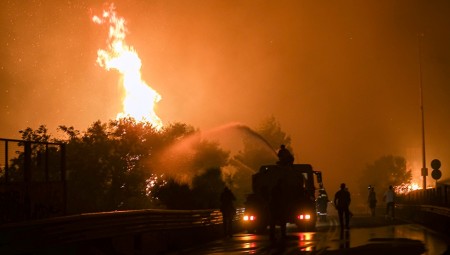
column 367, row 235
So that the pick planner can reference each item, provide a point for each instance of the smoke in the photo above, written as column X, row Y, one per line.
column 220, row 61
column 252, row 133
column 177, row 161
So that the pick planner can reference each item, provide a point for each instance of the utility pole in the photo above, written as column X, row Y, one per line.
column 424, row 166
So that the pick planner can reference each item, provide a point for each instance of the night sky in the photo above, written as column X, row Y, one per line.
column 341, row 77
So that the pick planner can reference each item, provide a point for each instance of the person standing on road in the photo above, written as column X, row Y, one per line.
column 227, row 199
column 342, row 202
column 389, row 198
column 372, row 200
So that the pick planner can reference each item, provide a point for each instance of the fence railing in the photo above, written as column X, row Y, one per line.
column 32, row 180
column 439, row 196
column 80, row 229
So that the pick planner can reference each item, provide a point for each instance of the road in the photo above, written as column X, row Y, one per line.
column 367, row 235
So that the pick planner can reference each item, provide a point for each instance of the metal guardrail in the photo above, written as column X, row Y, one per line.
column 434, row 217
column 28, row 236
column 429, row 207
column 439, row 196
column 441, row 211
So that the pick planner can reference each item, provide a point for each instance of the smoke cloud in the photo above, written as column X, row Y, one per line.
column 341, row 77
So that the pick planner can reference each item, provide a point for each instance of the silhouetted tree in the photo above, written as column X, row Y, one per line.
column 207, row 187
column 257, row 153
column 200, row 167
column 271, row 130
column 39, row 154
column 175, row 195
column 208, row 155
column 38, row 135
column 385, row 171
column 109, row 166
column 89, row 170
column 204, row 193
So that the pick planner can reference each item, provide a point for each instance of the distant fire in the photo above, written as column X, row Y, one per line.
column 140, row 99
column 405, row 188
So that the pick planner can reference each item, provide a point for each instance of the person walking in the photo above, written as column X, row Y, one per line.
column 227, row 199
column 389, row 198
column 342, row 202
column 372, row 200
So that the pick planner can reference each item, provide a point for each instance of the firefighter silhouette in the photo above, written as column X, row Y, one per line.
column 284, row 156
column 322, row 204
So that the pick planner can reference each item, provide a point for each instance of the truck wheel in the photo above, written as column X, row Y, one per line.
column 306, row 227
column 261, row 229
column 250, row 230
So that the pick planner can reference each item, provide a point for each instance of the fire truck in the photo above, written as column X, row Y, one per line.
column 298, row 189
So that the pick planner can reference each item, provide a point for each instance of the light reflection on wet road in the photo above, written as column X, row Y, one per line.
column 362, row 238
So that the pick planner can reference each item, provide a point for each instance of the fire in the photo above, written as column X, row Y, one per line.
column 405, row 188
column 140, row 99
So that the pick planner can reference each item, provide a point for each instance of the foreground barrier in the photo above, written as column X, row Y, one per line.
column 434, row 217
column 120, row 232
column 429, row 207
column 439, row 196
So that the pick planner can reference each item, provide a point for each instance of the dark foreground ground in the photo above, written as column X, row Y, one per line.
column 367, row 235
column 379, row 244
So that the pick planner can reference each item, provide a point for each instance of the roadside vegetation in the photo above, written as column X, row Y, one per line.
column 124, row 164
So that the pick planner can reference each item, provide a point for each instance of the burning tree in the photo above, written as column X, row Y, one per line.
column 110, row 166
column 254, row 155
column 385, row 171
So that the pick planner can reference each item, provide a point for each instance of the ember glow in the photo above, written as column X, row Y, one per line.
column 405, row 188
column 140, row 99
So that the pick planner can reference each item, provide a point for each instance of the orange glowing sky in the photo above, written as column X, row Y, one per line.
column 341, row 77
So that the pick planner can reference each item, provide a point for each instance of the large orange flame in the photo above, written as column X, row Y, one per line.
column 140, row 99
